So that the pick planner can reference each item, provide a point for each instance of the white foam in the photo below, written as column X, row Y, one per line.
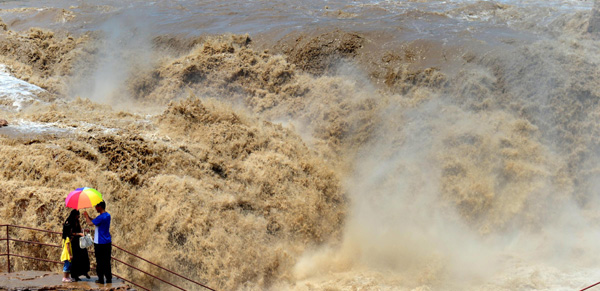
column 87, row 127
column 28, row 129
column 16, row 91
column 22, row 127
column 25, row 126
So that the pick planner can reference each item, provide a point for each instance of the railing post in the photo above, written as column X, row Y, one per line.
column 7, row 249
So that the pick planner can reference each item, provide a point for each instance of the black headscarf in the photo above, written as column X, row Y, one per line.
column 70, row 223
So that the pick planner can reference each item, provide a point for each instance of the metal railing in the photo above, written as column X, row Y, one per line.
column 8, row 255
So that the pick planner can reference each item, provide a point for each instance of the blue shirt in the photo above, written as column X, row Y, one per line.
column 102, row 233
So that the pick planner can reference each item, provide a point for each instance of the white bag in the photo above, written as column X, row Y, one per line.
column 85, row 241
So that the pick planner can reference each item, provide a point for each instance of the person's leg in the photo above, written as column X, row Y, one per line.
column 75, row 263
column 99, row 263
column 108, row 269
column 66, row 271
column 85, row 262
column 104, row 253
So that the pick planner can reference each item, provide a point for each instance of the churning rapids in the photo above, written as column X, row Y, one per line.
column 313, row 145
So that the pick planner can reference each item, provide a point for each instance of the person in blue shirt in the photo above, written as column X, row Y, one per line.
column 102, row 242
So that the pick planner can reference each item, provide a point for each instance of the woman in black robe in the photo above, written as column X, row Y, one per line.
column 80, row 263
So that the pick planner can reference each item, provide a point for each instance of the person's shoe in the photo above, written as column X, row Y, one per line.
column 87, row 276
column 76, row 279
column 99, row 281
column 67, row 280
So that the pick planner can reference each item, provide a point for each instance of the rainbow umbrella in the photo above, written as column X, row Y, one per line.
column 83, row 198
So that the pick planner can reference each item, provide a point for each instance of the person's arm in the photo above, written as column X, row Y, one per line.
column 88, row 220
column 71, row 233
column 74, row 234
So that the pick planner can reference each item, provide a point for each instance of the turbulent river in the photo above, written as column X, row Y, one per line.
column 313, row 145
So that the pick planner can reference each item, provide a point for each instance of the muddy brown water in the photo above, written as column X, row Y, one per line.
column 339, row 145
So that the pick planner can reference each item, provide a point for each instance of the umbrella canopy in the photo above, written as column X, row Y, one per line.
column 83, row 198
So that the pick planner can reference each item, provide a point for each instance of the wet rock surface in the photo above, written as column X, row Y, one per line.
column 594, row 25
column 40, row 280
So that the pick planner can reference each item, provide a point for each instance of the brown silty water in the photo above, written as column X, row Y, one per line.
column 413, row 145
